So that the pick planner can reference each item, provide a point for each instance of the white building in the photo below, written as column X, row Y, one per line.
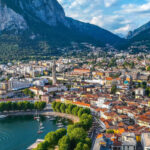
column 145, row 140
column 15, row 84
column 40, row 82
column 102, row 102
column 55, row 88
column 128, row 141
column 140, row 91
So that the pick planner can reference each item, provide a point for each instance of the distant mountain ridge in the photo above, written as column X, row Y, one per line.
column 137, row 31
column 139, row 39
column 39, row 28
column 24, row 14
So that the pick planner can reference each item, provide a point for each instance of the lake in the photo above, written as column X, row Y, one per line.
column 19, row 132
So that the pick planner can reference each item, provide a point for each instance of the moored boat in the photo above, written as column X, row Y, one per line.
column 2, row 116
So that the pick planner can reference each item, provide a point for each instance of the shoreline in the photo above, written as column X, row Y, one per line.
column 73, row 118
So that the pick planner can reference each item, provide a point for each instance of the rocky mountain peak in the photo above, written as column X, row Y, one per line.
column 14, row 13
column 10, row 20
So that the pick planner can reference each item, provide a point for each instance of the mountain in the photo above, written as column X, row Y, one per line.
column 138, row 31
column 139, row 39
column 39, row 27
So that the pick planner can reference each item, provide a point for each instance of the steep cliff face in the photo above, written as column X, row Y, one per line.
column 48, row 18
column 48, row 11
column 10, row 20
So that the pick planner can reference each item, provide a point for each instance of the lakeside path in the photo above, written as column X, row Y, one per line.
column 45, row 113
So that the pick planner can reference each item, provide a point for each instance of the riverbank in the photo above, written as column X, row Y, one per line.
column 74, row 119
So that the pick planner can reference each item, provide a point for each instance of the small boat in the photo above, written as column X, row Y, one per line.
column 51, row 119
column 2, row 116
column 60, row 126
column 40, row 131
column 41, row 128
column 37, row 117
column 48, row 117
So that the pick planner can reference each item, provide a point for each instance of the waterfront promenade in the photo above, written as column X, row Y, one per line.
column 44, row 113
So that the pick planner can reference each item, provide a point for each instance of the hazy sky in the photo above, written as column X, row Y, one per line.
column 117, row 16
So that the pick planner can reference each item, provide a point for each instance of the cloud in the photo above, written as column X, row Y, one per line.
column 135, row 8
column 123, row 30
column 109, row 3
column 129, row 14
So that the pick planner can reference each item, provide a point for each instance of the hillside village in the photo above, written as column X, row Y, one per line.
column 116, row 88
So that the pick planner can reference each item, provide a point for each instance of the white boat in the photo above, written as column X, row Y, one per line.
column 41, row 124
column 2, row 116
column 48, row 117
column 41, row 128
column 39, row 132
column 37, row 117
column 60, row 126
column 51, row 119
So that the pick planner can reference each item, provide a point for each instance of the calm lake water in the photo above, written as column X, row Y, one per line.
column 18, row 133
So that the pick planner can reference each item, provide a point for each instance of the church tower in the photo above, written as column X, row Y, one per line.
column 54, row 73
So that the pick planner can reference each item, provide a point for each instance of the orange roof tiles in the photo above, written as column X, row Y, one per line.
column 109, row 78
column 130, row 127
column 99, row 136
column 82, row 104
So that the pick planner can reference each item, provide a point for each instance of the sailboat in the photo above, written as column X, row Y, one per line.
column 40, row 131
column 37, row 117
column 40, row 128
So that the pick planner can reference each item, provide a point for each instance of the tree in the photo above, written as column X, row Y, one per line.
column 14, row 106
column 51, row 138
column 88, row 141
column 54, row 105
column 60, row 133
column 63, row 108
column 70, row 107
column 132, row 65
column 86, row 121
column 114, row 89
column 82, row 146
column 110, row 131
column 20, row 105
column 87, row 111
column 64, row 143
column 28, row 93
column 8, row 106
column 148, row 68
column 86, row 147
column 39, row 105
column 57, row 107
column 79, row 146
column 75, row 110
column 144, row 85
column 80, row 112
column 70, row 128
column 77, row 135
column 42, row 146
column 2, row 106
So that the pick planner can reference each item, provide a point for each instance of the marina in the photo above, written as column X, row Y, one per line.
column 22, row 131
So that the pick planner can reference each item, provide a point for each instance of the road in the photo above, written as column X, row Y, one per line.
column 97, row 129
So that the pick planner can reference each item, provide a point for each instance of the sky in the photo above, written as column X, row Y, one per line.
column 117, row 16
